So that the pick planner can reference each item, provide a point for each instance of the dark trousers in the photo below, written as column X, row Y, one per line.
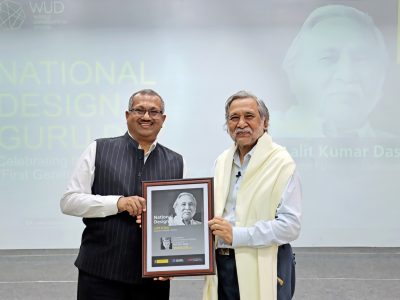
column 95, row 288
column 286, row 272
column 228, row 287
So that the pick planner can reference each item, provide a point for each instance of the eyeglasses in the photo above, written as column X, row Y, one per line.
column 153, row 113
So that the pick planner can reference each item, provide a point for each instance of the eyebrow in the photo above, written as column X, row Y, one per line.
column 150, row 108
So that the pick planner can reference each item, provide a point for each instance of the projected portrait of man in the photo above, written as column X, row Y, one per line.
column 336, row 69
column 184, row 210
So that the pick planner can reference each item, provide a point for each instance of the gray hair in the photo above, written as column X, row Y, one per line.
column 326, row 12
column 149, row 92
column 182, row 195
column 262, row 108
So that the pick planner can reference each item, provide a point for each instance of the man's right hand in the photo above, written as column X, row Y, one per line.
column 134, row 205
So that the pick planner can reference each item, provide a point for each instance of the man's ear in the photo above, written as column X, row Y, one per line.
column 163, row 117
column 266, row 123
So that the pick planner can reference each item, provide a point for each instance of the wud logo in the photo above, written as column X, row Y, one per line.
column 12, row 15
column 47, row 7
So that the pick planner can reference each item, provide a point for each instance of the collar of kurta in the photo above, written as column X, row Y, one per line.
column 152, row 146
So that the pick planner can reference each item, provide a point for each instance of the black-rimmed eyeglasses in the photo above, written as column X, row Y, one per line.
column 153, row 113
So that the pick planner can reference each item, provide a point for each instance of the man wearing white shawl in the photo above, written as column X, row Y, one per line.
column 257, row 197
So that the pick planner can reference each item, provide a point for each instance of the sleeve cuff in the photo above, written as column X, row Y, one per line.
column 110, row 205
column 240, row 236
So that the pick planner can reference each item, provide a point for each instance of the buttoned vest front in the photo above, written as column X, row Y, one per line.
column 111, row 247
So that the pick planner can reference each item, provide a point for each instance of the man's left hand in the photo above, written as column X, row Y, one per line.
column 163, row 278
column 139, row 220
column 221, row 228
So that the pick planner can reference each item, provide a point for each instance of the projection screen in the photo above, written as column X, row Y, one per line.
column 327, row 70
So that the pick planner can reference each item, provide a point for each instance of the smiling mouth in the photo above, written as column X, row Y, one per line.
column 343, row 91
column 145, row 124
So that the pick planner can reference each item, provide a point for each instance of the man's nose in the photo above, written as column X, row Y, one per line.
column 242, row 122
column 146, row 115
column 346, row 69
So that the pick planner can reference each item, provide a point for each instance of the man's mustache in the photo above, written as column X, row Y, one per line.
column 243, row 130
column 145, row 122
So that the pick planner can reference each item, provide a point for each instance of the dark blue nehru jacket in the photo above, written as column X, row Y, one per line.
column 111, row 247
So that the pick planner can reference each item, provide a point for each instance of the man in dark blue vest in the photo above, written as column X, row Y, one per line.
column 105, row 190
